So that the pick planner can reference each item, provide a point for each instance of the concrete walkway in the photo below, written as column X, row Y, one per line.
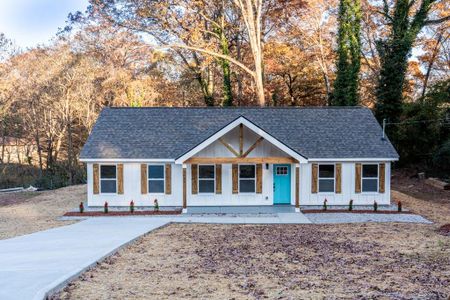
column 33, row 266
column 337, row 218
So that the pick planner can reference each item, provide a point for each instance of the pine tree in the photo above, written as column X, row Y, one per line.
column 349, row 49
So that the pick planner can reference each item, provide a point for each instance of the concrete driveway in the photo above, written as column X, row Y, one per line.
column 35, row 265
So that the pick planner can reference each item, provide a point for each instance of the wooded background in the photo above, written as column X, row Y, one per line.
column 392, row 56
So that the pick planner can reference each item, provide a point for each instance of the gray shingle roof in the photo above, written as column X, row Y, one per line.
column 168, row 133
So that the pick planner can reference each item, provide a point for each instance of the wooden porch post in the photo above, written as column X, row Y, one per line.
column 184, row 189
column 297, row 188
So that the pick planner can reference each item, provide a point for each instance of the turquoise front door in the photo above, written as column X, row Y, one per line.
column 281, row 184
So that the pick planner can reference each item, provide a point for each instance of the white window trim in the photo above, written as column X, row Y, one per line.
column 108, row 179
column 160, row 179
column 377, row 178
column 206, row 179
column 239, row 180
column 327, row 178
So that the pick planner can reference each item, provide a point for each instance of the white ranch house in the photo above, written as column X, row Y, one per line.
column 187, row 157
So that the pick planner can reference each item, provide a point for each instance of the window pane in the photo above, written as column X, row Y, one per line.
column 206, row 172
column 108, row 186
column 326, row 185
column 247, row 171
column 326, row 171
column 282, row 171
column 155, row 171
column 108, row 171
column 370, row 171
column 156, row 186
column 206, row 186
column 370, row 185
column 246, row 186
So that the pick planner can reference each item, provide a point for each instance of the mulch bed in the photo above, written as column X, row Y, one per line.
column 122, row 213
column 315, row 211
column 444, row 230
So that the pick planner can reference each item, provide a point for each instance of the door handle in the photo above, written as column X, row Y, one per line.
column 274, row 186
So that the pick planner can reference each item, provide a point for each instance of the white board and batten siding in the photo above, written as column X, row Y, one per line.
column 347, row 187
column 132, row 188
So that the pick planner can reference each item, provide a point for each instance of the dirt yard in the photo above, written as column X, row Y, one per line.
column 23, row 213
column 352, row 261
column 423, row 199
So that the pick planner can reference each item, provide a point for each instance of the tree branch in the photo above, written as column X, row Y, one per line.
column 384, row 14
column 437, row 21
column 212, row 53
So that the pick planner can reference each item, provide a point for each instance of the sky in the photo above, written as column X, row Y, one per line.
column 32, row 22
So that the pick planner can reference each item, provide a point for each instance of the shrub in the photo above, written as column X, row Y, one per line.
column 132, row 206
column 375, row 206
column 16, row 175
column 156, row 207
column 58, row 176
column 105, row 207
column 416, row 138
column 81, row 207
column 325, row 206
column 399, row 206
column 350, row 205
column 441, row 159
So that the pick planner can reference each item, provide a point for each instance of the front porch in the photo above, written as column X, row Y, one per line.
column 240, row 169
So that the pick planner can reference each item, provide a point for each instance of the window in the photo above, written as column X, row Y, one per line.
column 370, row 178
column 206, row 179
column 326, row 178
column 282, row 170
column 156, row 179
column 247, row 181
column 108, row 179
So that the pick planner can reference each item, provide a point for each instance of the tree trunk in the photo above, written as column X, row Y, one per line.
column 207, row 97
column 349, row 49
column 238, row 74
column 327, row 88
column 259, row 81
column 210, row 85
column 39, row 150
column 70, row 152
column 2, row 158
column 252, row 17
column 19, row 160
column 227, row 90
column 57, row 149
column 430, row 65
column 49, row 151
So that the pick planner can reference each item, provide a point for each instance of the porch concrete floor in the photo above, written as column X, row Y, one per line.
column 270, row 209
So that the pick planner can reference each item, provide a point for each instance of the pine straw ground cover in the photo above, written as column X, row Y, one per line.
column 354, row 261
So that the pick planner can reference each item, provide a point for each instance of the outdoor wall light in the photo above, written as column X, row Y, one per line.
column 267, row 166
